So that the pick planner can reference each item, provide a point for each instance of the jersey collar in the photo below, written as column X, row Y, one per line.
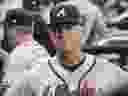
column 72, row 78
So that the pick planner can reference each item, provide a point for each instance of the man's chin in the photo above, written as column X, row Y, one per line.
column 71, row 59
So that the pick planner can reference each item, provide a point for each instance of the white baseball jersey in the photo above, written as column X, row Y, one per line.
column 21, row 62
column 105, row 74
column 47, row 75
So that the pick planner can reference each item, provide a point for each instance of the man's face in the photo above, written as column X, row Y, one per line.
column 71, row 47
column 70, row 43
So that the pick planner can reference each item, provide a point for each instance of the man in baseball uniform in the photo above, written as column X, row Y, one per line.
column 62, row 73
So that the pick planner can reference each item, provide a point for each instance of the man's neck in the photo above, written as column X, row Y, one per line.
column 72, row 67
column 60, row 57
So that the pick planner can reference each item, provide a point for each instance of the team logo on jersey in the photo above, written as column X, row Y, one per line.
column 87, row 88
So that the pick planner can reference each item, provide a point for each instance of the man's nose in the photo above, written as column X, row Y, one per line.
column 67, row 45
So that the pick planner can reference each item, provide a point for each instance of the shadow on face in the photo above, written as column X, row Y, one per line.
column 69, row 43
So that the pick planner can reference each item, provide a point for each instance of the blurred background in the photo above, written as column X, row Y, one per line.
column 114, row 16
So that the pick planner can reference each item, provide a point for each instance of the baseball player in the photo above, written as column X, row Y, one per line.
column 63, row 72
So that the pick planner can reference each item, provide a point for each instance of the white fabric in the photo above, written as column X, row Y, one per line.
column 105, row 74
column 74, row 76
column 21, row 60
